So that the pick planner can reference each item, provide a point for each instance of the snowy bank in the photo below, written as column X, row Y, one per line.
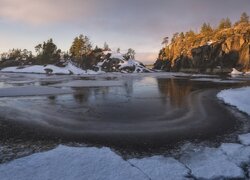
column 237, row 97
column 68, row 69
column 195, row 162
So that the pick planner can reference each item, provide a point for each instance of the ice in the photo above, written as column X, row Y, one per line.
column 225, row 162
column 89, row 83
column 237, row 97
column 204, row 75
column 237, row 153
column 161, row 168
column 245, row 139
column 236, row 72
column 211, row 163
column 32, row 91
column 70, row 68
column 65, row 163
column 216, row 80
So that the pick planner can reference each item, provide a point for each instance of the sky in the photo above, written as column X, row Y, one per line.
column 137, row 24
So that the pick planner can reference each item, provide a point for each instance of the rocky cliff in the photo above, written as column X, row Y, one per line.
column 211, row 52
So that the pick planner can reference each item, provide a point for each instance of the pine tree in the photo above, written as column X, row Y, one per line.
column 130, row 54
column 80, row 48
column 106, row 47
column 244, row 18
column 165, row 41
column 206, row 28
column 225, row 23
column 47, row 52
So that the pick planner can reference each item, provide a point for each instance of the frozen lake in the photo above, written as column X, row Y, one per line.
column 131, row 113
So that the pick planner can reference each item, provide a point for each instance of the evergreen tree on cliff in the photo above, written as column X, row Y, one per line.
column 206, row 28
column 244, row 18
column 225, row 23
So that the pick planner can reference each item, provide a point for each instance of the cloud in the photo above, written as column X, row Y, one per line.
column 40, row 12
column 139, row 24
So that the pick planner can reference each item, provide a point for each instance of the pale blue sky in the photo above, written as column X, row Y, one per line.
column 137, row 24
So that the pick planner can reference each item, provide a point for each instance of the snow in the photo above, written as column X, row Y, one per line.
column 211, row 163
column 65, row 163
column 237, row 97
column 245, row 139
column 198, row 162
column 70, row 68
column 236, row 72
column 161, row 168
column 133, row 63
column 89, row 83
column 236, row 153
column 32, row 91
column 117, row 56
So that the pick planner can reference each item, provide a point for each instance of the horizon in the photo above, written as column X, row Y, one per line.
column 130, row 24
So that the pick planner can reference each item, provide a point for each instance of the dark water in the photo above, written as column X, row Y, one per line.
column 147, row 114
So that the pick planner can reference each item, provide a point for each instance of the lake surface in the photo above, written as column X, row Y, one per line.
column 133, row 114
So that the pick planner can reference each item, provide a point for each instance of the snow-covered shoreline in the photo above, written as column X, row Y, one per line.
column 237, row 97
column 63, row 162
column 39, row 69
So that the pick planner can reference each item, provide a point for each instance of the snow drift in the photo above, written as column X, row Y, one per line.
column 68, row 69
column 237, row 97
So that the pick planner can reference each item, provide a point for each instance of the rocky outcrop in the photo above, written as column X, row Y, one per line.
column 219, row 51
column 116, row 62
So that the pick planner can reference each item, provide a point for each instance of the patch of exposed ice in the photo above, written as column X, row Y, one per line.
column 216, row 80
column 161, row 168
column 32, row 91
column 237, row 97
column 71, row 163
column 89, row 83
column 244, row 139
column 211, row 163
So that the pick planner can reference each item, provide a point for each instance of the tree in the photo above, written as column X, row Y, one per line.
column 175, row 36
column 130, row 54
column 118, row 50
column 106, row 47
column 225, row 23
column 244, row 18
column 47, row 53
column 165, row 41
column 181, row 35
column 206, row 28
column 80, row 48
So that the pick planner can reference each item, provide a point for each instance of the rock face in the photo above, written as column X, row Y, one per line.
column 218, row 51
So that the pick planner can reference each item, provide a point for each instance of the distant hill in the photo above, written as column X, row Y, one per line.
column 211, row 50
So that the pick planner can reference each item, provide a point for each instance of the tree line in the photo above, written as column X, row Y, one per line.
column 81, row 53
column 207, row 29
